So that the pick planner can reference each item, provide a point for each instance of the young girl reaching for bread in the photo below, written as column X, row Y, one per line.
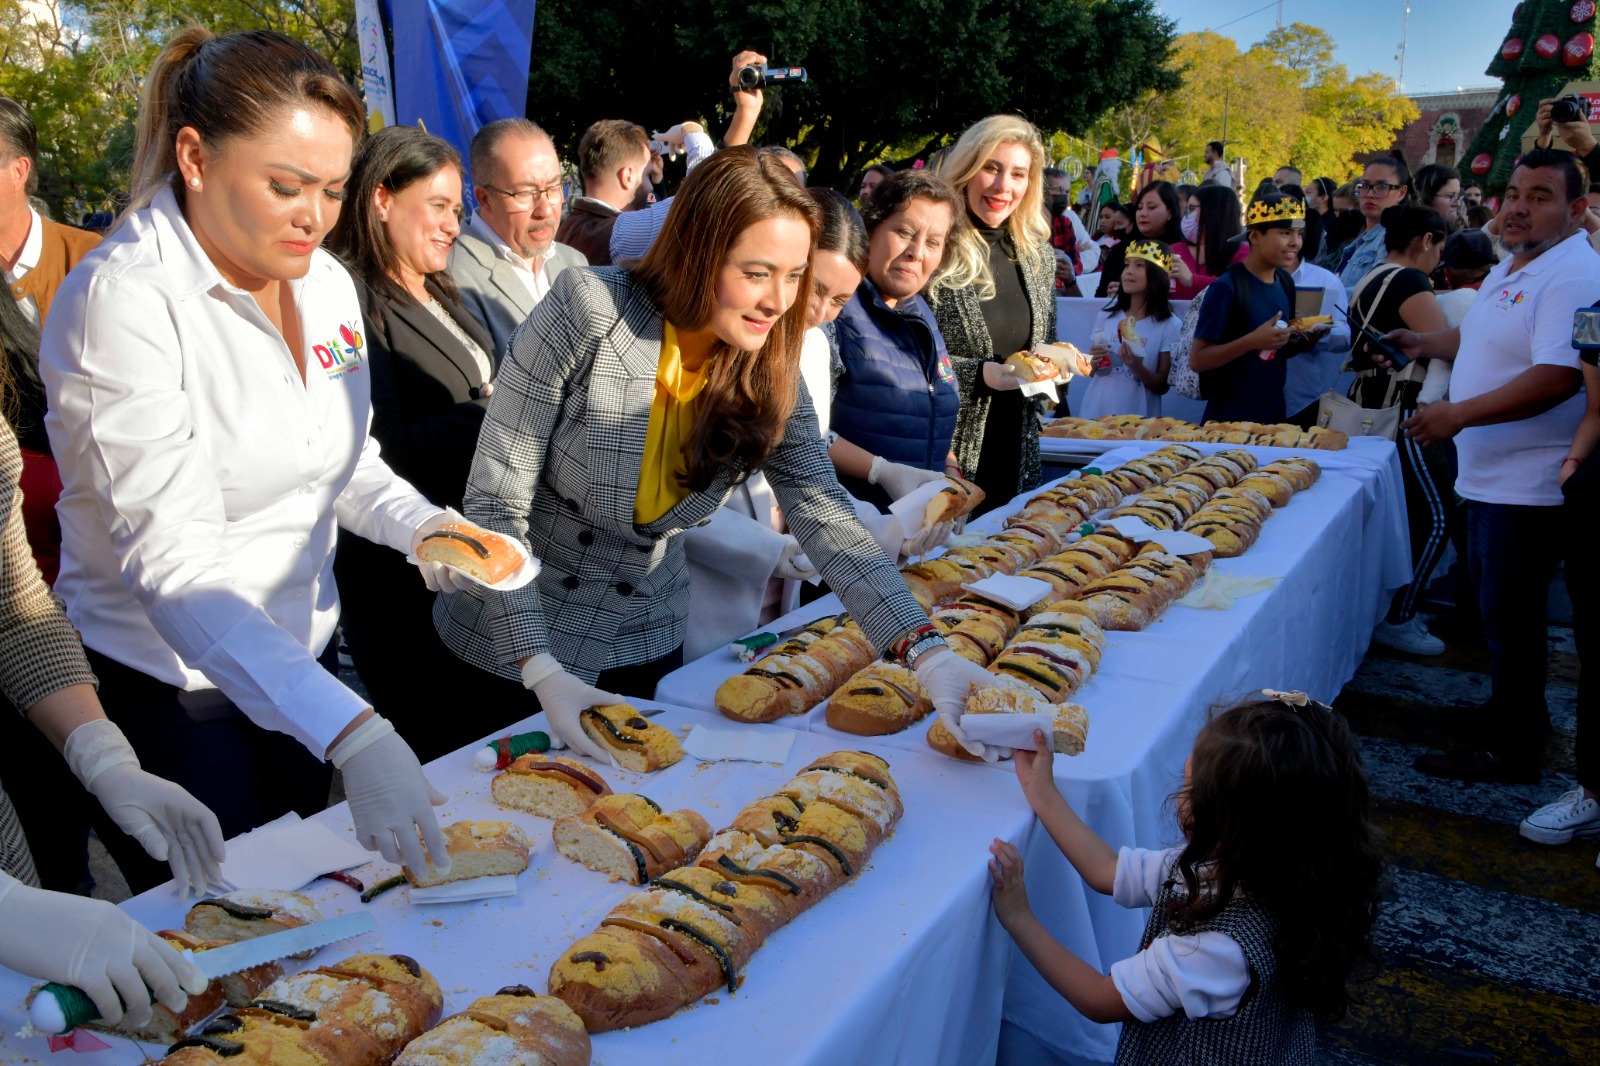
column 1257, row 922
column 1140, row 331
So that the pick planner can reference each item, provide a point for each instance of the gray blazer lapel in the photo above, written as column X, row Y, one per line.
column 504, row 277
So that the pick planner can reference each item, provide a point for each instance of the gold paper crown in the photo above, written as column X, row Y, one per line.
column 1282, row 209
column 1152, row 252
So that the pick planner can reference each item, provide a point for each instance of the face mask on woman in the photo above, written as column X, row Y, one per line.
column 1190, row 226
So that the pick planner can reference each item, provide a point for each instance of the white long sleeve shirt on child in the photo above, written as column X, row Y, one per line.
column 1119, row 392
column 1204, row 975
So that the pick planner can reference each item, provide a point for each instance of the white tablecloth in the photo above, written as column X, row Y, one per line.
column 1308, row 632
column 882, row 971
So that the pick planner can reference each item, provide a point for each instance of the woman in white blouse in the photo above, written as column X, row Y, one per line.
column 209, row 404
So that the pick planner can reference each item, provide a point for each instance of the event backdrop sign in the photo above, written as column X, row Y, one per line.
column 460, row 64
column 376, row 83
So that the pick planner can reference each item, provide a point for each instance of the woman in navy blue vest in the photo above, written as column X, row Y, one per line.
column 895, row 407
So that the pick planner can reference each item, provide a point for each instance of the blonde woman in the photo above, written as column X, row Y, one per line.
column 996, row 297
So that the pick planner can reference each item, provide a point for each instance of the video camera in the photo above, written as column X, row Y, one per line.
column 754, row 77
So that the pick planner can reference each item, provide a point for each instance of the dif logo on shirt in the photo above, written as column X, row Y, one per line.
column 1508, row 299
column 342, row 355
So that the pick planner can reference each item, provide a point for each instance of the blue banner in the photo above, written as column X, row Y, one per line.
column 460, row 64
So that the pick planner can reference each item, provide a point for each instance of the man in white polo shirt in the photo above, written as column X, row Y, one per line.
column 1513, row 407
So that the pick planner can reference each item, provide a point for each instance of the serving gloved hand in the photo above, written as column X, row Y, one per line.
column 169, row 823
column 390, row 801
column 563, row 698
column 437, row 576
column 949, row 678
column 897, row 479
column 793, row 564
column 90, row 944
column 929, row 539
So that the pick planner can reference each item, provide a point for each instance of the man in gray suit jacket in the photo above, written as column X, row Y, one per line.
column 506, row 255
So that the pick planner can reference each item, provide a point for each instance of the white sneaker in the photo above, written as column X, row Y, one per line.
column 1573, row 815
column 1412, row 637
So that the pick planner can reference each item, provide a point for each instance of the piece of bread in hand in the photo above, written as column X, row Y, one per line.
column 638, row 744
column 513, row 1027
column 548, row 786
column 249, row 913
column 477, row 849
column 1033, row 367
column 461, row 546
column 629, row 838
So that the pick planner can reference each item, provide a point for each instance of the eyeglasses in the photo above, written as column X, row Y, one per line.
column 524, row 198
column 1376, row 188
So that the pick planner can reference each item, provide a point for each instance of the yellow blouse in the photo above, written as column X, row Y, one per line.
column 672, row 415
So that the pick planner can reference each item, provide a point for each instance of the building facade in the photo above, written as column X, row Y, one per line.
column 1446, row 125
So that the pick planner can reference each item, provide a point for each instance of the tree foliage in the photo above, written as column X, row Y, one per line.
column 887, row 79
column 1282, row 100
column 77, row 68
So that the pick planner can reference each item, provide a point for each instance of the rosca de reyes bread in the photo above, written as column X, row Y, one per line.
column 548, row 786
column 638, row 744
column 883, row 698
column 486, row 556
column 476, row 849
column 797, row 674
column 630, row 838
column 514, row 1027
column 693, row 929
column 249, row 913
column 1135, row 427
column 1009, row 696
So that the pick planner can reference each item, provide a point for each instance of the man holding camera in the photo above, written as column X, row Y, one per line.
column 1568, row 116
column 1513, row 408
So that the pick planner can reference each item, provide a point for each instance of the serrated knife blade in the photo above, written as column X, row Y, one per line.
column 62, row 1008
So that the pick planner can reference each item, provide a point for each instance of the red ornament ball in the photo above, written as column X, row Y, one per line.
column 1513, row 104
column 1511, row 49
column 1482, row 163
column 1582, row 11
column 1578, row 50
column 1547, row 46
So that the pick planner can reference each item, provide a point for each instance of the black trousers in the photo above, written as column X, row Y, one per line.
column 247, row 775
column 637, row 681
column 1429, row 476
column 55, row 811
column 1582, row 492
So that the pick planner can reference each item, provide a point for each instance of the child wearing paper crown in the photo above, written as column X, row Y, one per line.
column 1140, row 361
column 1258, row 921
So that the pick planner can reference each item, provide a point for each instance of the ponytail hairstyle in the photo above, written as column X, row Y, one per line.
column 393, row 158
column 968, row 262
column 1277, row 811
column 748, row 395
column 230, row 86
column 840, row 230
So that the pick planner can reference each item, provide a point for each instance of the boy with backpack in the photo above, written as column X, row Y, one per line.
column 1242, row 341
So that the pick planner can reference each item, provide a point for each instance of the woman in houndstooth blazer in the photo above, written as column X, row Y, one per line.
column 562, row 449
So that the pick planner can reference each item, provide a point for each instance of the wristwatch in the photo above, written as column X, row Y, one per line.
column 913, row 644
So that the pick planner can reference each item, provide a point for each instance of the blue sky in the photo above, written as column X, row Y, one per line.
column 1449, row 45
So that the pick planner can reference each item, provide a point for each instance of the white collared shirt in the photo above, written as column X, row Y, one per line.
column 32, row 248
column 1521, row 319
column 1310, row 374
column 204, row 483
column 537, row 282
column 635, row 231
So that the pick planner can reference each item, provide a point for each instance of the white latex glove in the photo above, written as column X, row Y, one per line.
column 90, row 944
column 437, row 576
column 390, row 801
column 793, row 564
column 897, row 479
column 887, row 531
column 563, row 698
column 949, row 679
column 169, row 823
column 930, row 538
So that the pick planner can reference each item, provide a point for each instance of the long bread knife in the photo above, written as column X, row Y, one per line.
column 61, row 1008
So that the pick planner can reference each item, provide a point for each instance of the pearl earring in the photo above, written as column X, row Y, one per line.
column 195, row 182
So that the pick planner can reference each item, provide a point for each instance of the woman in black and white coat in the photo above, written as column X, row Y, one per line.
column 627, row 407
column 997, row 297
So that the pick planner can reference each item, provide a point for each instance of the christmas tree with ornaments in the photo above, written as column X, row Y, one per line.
column 1550, row 43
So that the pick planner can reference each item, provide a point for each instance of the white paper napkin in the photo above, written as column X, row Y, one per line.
column 739, row 745
column 289, row 853
column 1018, row 593
column 1175, row 541
column 912, row 508
column 470, row 889
column 1007, row 730
column 1050, row 387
